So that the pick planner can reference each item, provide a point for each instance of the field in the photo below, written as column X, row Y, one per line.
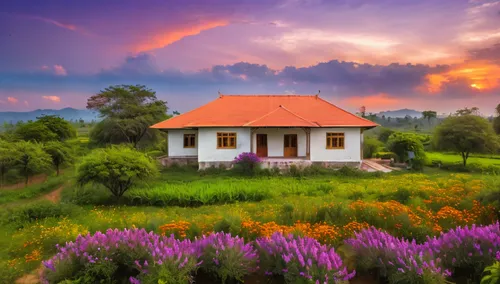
column 450, row 158
column 329, row 207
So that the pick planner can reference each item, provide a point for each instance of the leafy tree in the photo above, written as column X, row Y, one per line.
column 128, row 111
column 467, row 111
column 33, row 131
column 496, row 120
column 402, row 143
column 31, row 159
column 429, row 114
column 384, row 134
column 8, row 158
column 60, row 154
column 116, row 168
column 62, row 128
column 465, row 134
column 371, row 146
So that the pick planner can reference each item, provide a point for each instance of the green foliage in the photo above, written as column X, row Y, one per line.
column 402, row 143
column 384, row 134
column 496, row 120
column 465, row 134
column 8, row 158
column 62, row 128
column 492, row 274
column 31, row 191
column 386, row 155
column 429, row 114
column 38, row 210
column 127, row 111
column 33, row 131
column 31, row 159
column 371, row 146
column 116, row 168
column 60, row 153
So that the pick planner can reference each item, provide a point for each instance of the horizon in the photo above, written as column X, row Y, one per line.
column 384, row 56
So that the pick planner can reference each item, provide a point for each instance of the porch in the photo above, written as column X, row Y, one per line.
column 275, row 145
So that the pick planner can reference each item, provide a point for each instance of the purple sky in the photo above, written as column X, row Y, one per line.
column 385, row 54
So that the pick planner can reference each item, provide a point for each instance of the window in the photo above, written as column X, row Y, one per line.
column 226, row 140
column 334, row 140
column 189, row 140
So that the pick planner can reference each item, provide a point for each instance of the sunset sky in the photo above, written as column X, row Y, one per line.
column 385, row 54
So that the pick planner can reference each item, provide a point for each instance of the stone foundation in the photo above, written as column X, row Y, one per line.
column 217, row 164
column 181, row 161
column 337, row 165
column 284, row 164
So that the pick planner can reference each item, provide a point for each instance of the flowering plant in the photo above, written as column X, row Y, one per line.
column 122, row 255
column 400, row 260
column 225, row 256
column 247, row 162
column 300, row 259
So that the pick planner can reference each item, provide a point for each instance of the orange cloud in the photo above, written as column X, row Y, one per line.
column 373, row 103
column 480, row 75
column 55, row 99
column 12, row 100
column 59, row 70
column 167, row 38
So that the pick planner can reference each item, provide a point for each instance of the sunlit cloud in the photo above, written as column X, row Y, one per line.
column 26, row 103
column 164, row 39
column 55, row 99
column 12, row 100
column 59, row 70
column 372, row 103
column 479, row 75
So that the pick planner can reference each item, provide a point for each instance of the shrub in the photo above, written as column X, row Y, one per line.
column 492, row 273
column 226, row 257
column 116, row 168
column 36, row 211
column 297, row 258
column 467, row 250
column 402, row 143
column 386, row 155
column 246, row 163
column 398, row 260
column 371, row 146
column 128, row 255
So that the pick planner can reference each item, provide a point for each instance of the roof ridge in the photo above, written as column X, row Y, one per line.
column 276, row 109
column 362, row 118
column 305, row 96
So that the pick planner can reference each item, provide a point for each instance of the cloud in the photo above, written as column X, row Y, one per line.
column 26, row 103
column 59, row 70
column 55, row 99
column 165, row 38
column 12, row 100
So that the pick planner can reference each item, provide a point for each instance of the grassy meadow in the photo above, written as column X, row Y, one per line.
column 327, row 206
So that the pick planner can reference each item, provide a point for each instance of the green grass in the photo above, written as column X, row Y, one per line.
column 482, row 159
column 31, row 191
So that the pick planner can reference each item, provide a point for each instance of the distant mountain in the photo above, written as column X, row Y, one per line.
column 400, row 113
column 66, row 113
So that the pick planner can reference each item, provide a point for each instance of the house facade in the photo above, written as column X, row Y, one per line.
column 281, row 129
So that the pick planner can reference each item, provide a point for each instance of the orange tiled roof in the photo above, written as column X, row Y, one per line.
column 266, row 111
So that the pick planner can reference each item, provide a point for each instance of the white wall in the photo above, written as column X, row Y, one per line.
column 207, row 150
column 176, row 143
column 275, row 140
column 350, row 153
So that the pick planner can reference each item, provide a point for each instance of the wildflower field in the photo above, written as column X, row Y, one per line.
column 397, row 227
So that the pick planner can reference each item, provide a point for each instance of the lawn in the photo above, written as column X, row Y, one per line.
column 187, row 204
column 453, row 158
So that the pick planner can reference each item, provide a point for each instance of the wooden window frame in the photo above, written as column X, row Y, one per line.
column 331, row 137
column 187, row 136
column 226, row 135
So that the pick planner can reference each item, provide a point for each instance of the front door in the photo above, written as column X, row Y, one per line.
column 290, row 145
column 262, row 145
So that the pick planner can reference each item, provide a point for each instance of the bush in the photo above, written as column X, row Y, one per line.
column 386, row 155
column 116, row 168
column 371, row 146
column 36, row 211
column 402, row 143
column 246, row 163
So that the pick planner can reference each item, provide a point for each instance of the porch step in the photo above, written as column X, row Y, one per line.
column 371, row 166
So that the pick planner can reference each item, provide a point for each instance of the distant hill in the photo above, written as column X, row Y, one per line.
column 66, row 113
column 400, row 113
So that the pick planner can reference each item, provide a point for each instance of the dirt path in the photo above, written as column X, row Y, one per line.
column 33, row 180
column 53, row 196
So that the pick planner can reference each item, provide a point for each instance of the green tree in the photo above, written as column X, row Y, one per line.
column 116, row 168
column 384, row 134
column 127, row 112
column 8, row 157
column 465, row 134
column 61, row 127
column 402, row 143
column 467, row 111
column 429, row 114
column 371, row 146
column 60, row 153
column 33, row 131
column 31, row 159
column 496, row 120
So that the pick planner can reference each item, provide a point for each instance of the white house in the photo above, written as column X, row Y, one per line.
column 281, row 129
